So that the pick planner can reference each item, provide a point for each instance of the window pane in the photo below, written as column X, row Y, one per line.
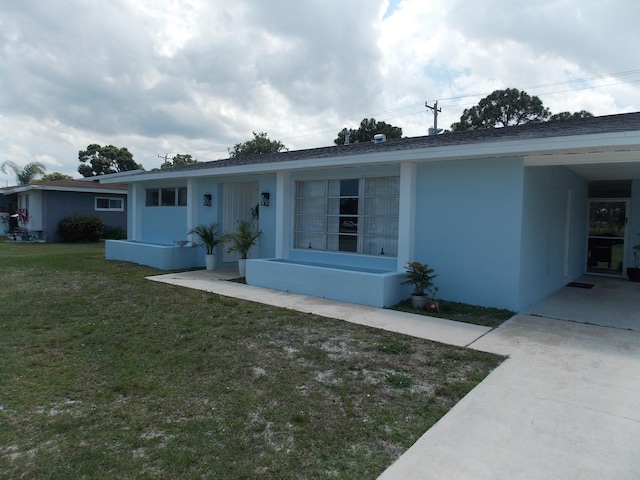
column 102, row 203
column 309, row 240
column 115, row 204
column 380, row 226
column 349, row 206
column 382, row 206
column 182, row 196
column 311, row 206
column 153, row 197
column 168, row 197
column 349, row 188
column 385, row 186
column 310, row 189
column 333, row 224
column 309, row 223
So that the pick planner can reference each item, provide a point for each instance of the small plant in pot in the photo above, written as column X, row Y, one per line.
column 241, row 241
column 421, row 276
column 209, row 240
column 634, row 272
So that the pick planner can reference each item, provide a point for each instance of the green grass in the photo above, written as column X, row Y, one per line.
column 462, row 312
column 104, row 374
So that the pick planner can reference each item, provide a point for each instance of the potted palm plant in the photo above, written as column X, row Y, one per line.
column 241, row 241
column 209, row 240
column 421, row 276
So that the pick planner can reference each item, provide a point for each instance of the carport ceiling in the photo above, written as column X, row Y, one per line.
column 613, row 163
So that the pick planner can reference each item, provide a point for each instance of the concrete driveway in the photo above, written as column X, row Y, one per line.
column 611, row 302
column 565, row 404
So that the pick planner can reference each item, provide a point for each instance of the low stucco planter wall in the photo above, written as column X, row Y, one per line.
column 376, row 288
column 163, row 257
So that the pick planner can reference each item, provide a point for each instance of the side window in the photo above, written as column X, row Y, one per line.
column 166, row 197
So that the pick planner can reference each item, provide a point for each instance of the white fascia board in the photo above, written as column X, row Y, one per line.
column 27, row 188
column 537, row 147
column 87, row 190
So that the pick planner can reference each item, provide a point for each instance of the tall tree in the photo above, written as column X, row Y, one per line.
column 178, row 160
column 502, row 108
column 260, row 143
column 97, row 160
column 569, row 115
column 24, row 175
column 365, row 133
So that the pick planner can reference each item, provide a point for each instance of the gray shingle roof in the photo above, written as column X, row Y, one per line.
column 583, row 126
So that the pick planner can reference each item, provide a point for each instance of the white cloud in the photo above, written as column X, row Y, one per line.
column 197, row 76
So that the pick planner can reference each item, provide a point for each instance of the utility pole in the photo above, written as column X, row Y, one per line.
column 166, row 155
column 435, row 115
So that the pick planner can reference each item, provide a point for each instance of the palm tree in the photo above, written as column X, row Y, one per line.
column 24, row 175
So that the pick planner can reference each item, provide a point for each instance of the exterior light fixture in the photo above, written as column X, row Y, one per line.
column 264, row 199
column 207, row 200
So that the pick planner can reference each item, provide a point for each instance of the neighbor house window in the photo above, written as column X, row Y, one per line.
column 166, row 197
column 358, row 215
column 109, row 204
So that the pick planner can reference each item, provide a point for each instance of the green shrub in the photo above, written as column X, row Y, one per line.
column 113, row 233
column 80, row 228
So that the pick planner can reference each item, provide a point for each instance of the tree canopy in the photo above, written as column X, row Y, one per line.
column 260, row 143
column 503, row 108
column 24, row 175
column 365, row 133
column 97, row 160
column 569, row 115
column 178, row 160
column 509, row 107
column 50, row 177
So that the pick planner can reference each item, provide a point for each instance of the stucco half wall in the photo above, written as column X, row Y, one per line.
column 377, row 288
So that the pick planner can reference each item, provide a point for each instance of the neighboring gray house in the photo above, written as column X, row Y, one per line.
column 506, row 216
column 41, row 206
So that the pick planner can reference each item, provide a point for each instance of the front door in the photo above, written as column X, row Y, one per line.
column 607, row 236
column 239, row 203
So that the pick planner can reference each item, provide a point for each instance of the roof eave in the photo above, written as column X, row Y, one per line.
column 611, row 141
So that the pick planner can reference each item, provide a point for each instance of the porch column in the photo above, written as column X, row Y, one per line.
column 192, row 203
column 407, row 214
column 134, row 206
column 283, row 222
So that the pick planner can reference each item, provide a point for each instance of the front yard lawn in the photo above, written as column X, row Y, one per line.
column 104, row 374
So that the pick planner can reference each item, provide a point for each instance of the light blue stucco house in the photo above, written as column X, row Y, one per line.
column 505, row 216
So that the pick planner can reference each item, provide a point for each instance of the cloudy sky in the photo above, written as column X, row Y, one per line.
column 162, row 77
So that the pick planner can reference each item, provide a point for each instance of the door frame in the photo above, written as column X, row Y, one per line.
column 625, row 238
column 239, row 200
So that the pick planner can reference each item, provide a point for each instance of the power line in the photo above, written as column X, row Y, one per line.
column 332, row 126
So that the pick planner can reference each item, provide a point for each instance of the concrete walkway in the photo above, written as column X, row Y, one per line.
column 565, row 404
column 430, row 328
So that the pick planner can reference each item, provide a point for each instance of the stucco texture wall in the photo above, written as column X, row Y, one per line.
column 553, row 231
column 469, row 226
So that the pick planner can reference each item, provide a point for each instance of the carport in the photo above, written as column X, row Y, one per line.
column 596, row 300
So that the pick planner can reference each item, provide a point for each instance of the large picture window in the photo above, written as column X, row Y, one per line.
column 358, row 215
